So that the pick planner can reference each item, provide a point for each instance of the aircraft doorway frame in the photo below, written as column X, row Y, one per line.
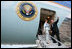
column 45, row 13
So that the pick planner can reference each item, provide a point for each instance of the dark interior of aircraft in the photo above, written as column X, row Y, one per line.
column 45, row 13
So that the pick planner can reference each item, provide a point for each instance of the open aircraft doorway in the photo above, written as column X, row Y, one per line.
column 45, row 13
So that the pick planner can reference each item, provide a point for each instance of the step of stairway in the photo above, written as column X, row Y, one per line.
column 44, row 44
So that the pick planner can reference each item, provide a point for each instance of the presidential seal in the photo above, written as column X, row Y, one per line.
column 26, row 10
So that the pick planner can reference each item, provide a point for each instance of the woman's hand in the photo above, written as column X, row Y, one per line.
column 51, row 31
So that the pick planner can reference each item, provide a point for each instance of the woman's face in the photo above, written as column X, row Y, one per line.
column 52, row 21
column 46, row 20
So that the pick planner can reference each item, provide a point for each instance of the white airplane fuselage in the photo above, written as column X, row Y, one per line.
column 14, row 30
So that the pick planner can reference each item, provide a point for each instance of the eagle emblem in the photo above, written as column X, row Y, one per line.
column 26, row 10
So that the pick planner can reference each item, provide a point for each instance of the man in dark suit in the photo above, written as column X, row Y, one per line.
column 55, row 31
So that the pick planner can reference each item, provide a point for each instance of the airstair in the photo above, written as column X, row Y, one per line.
column 43, row 43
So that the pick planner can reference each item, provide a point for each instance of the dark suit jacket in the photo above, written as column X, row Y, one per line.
column 54, row 28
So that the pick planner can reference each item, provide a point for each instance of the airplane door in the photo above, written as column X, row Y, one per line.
column 45, row 13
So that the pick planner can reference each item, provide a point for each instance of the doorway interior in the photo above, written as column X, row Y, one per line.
column 45, row 13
